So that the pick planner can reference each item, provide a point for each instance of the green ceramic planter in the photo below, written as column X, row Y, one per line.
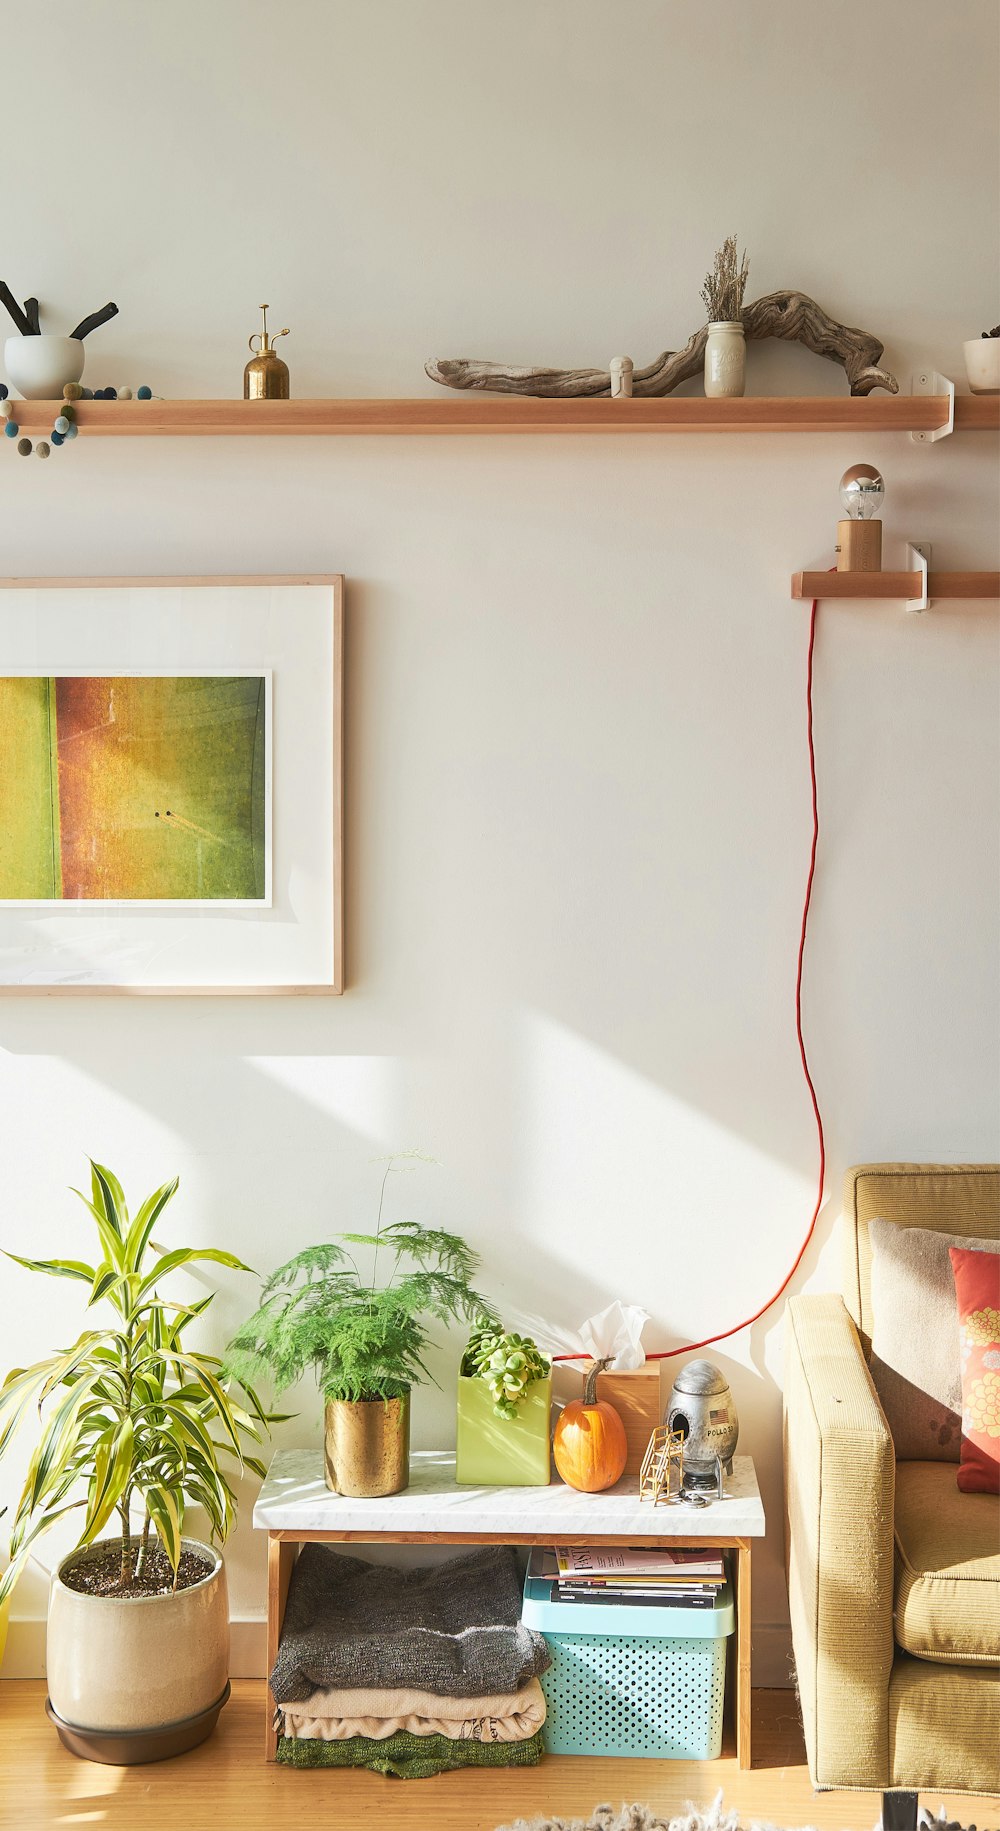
column 500, row 1452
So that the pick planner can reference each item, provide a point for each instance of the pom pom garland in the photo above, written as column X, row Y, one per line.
column 64, row 426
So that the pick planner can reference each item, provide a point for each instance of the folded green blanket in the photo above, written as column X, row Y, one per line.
column 407, row 1756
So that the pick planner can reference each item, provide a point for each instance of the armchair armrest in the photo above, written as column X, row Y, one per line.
column 839, row 1491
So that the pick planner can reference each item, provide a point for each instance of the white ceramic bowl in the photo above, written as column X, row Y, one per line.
column 982, row 364
column 40, row 367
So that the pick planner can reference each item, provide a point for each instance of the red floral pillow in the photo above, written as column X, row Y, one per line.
column 977, row 1286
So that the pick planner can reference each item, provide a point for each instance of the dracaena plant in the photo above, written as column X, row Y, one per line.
column 128, row 1413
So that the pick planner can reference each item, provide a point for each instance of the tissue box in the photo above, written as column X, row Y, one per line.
column 494, row 1452
column 635, row 1395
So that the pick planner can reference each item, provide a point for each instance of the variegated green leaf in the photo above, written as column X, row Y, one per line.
column 108, row 1194
column 106, row 1279
column 65, row 1363
column 165, row 1516
column 113, row 1247
column 55, row 1268
column 59, row 1441
column 13, row 1571
column 222, row 1407
column 185, row 1419
column 19, row 1389
column 187, row 1255
column 140, row 1232
column 113, row 1479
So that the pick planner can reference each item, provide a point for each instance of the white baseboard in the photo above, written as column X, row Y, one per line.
column 25, row 1657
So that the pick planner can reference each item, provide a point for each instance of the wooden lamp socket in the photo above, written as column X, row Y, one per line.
column 859, row 546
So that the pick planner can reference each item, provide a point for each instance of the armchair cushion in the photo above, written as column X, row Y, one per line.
column 915, row 1346
column 947, row 1587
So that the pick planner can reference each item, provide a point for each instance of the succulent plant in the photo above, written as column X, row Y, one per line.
column 508, row 1363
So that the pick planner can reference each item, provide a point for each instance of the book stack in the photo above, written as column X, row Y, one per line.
column 667, row 1578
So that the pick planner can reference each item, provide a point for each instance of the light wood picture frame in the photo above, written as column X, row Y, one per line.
column 132, row 921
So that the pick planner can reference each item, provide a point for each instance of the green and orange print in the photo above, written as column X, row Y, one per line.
column 134, row 788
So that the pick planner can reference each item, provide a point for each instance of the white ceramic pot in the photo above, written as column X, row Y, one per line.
column 40, row 367
column 138, row 1663
column 982, row 364
column 725, row 362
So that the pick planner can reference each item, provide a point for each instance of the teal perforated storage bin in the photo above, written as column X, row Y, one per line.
column 639, row 1681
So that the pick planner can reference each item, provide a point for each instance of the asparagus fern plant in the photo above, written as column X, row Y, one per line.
column 128, row 1412
column 359, row 1318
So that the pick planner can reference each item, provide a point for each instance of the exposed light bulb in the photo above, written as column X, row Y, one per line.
column 861, row 491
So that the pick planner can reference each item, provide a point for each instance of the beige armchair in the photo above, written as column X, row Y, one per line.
column 893, row 1577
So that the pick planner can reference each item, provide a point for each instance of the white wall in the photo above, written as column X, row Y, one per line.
column 577, row 800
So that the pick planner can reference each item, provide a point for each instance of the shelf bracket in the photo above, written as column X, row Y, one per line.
column 918, row 556
column 928, row 381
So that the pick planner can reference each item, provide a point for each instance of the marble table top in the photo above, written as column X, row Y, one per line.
column 295, row 1498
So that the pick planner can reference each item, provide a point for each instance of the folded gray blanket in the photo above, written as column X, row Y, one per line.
column 450, row 1628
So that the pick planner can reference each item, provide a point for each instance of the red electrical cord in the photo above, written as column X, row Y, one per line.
column 724, row 1334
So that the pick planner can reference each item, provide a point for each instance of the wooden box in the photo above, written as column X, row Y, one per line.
column 636, row 1398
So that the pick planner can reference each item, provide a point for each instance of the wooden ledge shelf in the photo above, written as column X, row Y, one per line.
column 490, row 413
column 895, row 585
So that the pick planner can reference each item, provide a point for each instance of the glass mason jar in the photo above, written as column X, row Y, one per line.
column 725, row 362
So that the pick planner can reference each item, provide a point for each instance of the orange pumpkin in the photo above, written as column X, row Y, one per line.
column 589, row 1445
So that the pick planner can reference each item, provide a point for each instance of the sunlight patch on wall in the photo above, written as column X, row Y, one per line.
column 359, row 1091
column 670, row 1207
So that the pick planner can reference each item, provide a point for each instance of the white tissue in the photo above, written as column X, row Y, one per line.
column 616, row 1331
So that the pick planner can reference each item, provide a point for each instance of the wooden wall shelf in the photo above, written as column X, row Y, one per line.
column 487, row 414
column 895, row 585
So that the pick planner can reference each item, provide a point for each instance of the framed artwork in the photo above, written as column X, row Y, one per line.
column 171, row 785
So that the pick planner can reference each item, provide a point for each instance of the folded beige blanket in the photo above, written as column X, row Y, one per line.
column 334, row 1715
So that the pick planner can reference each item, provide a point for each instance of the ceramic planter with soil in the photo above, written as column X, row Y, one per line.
column 138, row 1676
column 129, row 1418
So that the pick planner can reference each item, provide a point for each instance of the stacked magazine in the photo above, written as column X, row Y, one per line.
column 668, row 1578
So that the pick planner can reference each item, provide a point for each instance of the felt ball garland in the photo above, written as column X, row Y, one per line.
column 64, row 426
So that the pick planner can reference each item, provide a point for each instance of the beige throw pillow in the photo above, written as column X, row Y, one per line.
column 915, row 1347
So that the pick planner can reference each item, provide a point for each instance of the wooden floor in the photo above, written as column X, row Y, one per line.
column 225, row 1785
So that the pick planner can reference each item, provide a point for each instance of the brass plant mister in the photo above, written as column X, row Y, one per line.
column 265, row 377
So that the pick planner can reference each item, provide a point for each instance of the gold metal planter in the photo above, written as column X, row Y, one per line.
column 367, row 1446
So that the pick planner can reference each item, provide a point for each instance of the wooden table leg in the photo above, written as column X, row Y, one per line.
column 743, row 1692
column 280, row 1558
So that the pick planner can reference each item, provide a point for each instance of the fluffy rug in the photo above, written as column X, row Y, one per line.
column 643, row 1818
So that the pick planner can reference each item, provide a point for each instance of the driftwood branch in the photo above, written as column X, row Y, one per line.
column 86, row 325
column 20, row 318
column 791, row 315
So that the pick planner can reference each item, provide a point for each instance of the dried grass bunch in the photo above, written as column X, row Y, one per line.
column 725, row 286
